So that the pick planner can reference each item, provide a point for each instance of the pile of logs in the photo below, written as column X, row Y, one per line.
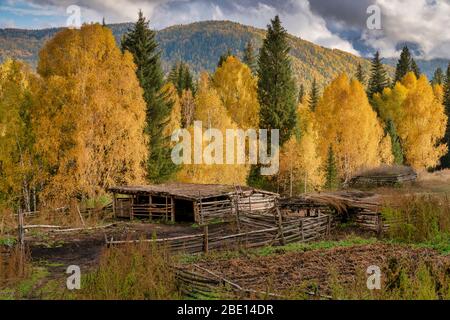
column 197, row 282
column 380, row 177
column 341, row 202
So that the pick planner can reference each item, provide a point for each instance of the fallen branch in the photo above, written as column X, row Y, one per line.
column 41, row 226
column 82, row 229
column 235, row 285
column 156, row 240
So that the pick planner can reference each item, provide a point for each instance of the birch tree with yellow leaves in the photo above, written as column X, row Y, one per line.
column 346, row 121
column 416, row 109
column 236, row 87
column 422, row 126
column 17, row 163
column 90, row 115
column 301, row 167
column 213, row 115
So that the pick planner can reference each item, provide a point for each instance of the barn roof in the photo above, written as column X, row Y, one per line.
column 191, row 191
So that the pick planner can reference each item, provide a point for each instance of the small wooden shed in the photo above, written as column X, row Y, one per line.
column 178, row 202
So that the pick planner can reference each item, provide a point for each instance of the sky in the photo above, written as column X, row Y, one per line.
column 342, row 24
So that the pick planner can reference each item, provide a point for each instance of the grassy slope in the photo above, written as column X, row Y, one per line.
column 201, row 44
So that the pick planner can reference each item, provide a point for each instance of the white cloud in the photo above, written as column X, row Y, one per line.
column 422, row 22
column 300, row 20
column 305, row 24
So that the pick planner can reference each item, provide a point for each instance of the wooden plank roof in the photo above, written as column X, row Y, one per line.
column 190, row 191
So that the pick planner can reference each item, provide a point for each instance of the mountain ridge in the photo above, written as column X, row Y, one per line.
column 200, row 44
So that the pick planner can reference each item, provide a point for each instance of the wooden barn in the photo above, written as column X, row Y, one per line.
column 185, row 202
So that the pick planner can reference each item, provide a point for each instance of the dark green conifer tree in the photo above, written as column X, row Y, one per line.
column 141, row 43
column 403, row 65
column 378, row 77
column 332, row 180
column 360, row 76
column 445, row 160
column 415, row 68
column 249, row 57
column 438, row 77
column 397, row 150
column 314, row 96
column 277, row 93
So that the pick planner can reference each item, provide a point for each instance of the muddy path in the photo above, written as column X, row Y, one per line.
column 83, row 248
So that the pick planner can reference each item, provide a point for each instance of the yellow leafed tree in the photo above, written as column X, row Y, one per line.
column 301, row 167
column 91, row 115
column 236, row 87
column 389, row 103
column 174, row 121
column 422, row 126
column 416, row 109
column 187, row 108
column 346, row 121
column 211, row 112
column 17, row 165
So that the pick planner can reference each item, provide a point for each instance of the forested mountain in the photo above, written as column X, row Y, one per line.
column 426, row 66
column 201, row 44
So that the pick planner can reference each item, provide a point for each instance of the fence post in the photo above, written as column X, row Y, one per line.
column 205, row 239
column 81, row 216
column 328, row 225
column 301, row 229
column 20, row 229
column 379, row 225
column 280, row 226
column 21, row 239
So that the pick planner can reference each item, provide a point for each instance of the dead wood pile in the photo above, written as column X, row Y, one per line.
column 384, row 176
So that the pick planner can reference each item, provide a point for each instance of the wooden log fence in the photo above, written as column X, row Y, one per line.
column 254, row 231
column 196, row 282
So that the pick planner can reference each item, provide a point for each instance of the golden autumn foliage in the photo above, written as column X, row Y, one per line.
column 174, row 121
column 90, row 115
column 210, row 110
column 17, row 164
column 187, row 104
column 301, row 167
column 417, row 111
column 346, row 121
column 236, row 87
column 422, row 126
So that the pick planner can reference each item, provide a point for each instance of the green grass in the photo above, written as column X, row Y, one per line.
column 8, row 241
column 24, row 288
column 272, row 250
column 302, row 247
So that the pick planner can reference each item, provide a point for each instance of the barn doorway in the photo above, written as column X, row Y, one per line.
column 184, row 211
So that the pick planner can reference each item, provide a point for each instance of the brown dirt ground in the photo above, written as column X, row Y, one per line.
column 83, row 248
column 280, row 272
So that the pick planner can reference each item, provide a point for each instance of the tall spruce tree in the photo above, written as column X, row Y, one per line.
column 403, row 65
column 378, row 77
column 277, row 94
column 445, row 160
column 438, row 77
column 249, row 57
column 180, row 75
column 276, row 88
column 332, row 180
column 313, row 96
column 397, row 150
column 301, row 93
column 415, row 68
column 141, row 43
column 360, row 76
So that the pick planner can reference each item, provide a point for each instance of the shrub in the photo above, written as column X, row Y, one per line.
column 132, row 272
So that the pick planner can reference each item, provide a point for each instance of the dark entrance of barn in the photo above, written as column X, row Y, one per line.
column 184, row 210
